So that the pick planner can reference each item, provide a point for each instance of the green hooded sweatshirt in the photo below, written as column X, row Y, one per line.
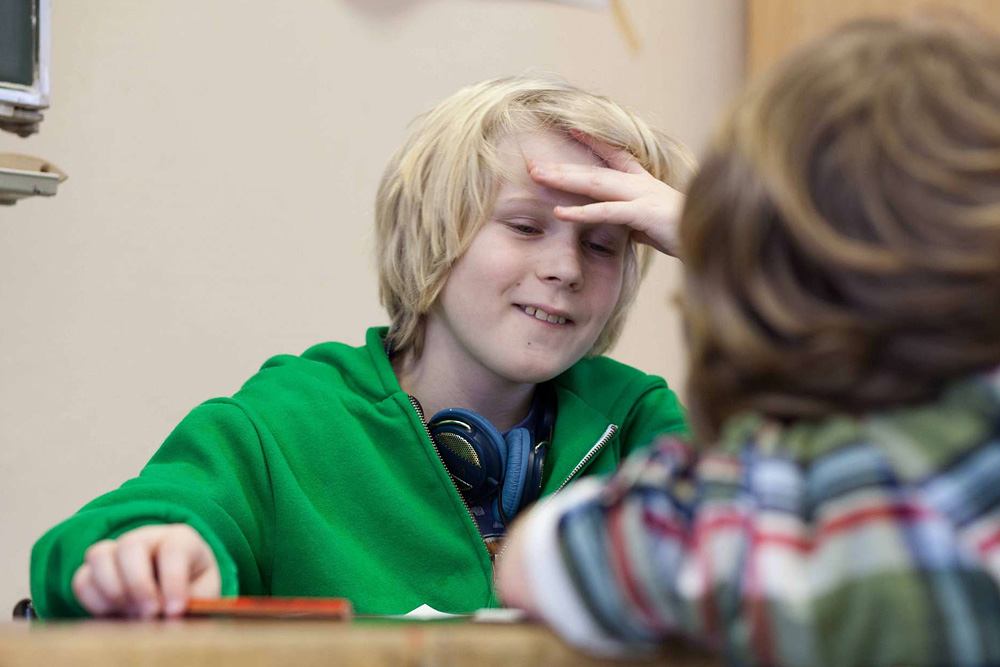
column 318, row 478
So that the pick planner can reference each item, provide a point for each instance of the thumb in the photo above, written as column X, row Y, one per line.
column 207, row 583
column 186, row 568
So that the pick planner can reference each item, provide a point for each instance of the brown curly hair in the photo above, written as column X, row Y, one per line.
column 842, row 238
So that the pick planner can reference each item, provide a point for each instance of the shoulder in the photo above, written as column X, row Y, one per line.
column 607, row 385
column 330, row 368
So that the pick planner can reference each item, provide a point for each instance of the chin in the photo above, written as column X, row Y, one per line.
column 532, row 372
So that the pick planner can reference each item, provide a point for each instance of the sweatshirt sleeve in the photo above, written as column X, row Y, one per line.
column 773, row 562
column 210, row 473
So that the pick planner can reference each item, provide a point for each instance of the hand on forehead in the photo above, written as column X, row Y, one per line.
column 522, row 150
column 610, row 188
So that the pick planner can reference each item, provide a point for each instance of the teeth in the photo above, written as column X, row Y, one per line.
column 540, row 314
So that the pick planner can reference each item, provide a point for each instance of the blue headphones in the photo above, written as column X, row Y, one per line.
column 483, row 463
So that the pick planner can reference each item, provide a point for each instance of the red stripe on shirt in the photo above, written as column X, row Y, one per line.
column 733, row 520
column 622, row 565
column 989, row 542
column 760, row 628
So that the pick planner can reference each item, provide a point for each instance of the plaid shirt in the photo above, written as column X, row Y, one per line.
column 869, row 542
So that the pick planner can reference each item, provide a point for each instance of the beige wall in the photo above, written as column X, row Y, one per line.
column 223, row 158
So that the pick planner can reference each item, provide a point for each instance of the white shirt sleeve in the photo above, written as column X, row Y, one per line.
column 556, row 599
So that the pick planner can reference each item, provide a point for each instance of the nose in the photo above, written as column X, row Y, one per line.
column 562, row 264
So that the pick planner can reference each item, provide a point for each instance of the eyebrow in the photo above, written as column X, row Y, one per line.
column 522, row 200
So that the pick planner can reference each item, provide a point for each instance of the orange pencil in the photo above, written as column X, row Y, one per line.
column 273, row 607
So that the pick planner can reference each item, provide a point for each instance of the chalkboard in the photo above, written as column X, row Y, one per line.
column 17, row 41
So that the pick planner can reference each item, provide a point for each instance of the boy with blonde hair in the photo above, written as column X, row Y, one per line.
column 842, row 297
column 323, row 475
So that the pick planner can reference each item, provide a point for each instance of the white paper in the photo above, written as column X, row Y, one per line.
column 426, row 612
column 499, row 615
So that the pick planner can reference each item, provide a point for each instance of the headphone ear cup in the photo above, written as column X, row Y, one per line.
column 473, row 450
column 518, row 443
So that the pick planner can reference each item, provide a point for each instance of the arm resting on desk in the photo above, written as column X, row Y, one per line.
column 210, row 473
column 744, row 553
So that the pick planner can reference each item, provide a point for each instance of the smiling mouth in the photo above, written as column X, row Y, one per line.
column 540, row 314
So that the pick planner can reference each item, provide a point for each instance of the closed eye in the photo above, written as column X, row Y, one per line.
column 604, row 241
column 603, row 249
column 524, row 227
column 598, row 248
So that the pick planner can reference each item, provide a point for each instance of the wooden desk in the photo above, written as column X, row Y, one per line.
column 249, row 643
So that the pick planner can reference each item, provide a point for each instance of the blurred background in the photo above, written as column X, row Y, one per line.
column 223, row 159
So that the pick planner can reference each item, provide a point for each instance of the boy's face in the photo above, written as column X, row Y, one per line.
column 532, row 293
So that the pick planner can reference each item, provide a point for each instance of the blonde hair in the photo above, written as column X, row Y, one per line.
column 842, row 239
column 440, row 186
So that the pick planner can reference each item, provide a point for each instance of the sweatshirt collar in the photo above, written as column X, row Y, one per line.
column 375, row 344
column 578, row 429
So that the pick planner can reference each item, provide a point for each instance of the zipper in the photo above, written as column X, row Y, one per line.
column 605, row 439
column 423, row 422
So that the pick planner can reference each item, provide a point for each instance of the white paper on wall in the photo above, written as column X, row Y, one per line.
column 603, row 5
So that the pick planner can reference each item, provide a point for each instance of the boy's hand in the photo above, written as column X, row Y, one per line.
column 626, row 194
column 512, row 581
column 146, row 572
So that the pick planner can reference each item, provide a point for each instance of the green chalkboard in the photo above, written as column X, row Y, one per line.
column 18, row 41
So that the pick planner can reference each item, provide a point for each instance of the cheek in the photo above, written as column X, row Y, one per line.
column 607, row 285
column 495, row 267
column 475, row 276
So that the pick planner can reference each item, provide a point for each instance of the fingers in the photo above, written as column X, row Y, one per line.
column 614, row 212
column 595, row 182
column 117, row 578
column 135, row 565
column 173, row 565
column 626, row 195
column 187, row 568
column 103, row 565
column 616, row 157
column 512, row 579
column 88, row 594
column 208, row 584
column 653, row 221
column 147, row 571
